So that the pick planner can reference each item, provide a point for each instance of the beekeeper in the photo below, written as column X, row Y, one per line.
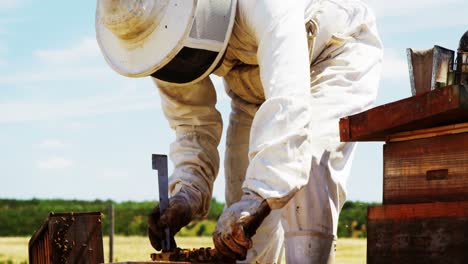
column 291, row 69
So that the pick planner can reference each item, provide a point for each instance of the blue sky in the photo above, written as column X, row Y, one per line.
column 72, row 128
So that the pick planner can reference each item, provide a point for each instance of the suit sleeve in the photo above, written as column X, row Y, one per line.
column 280, row 147
column 191, row 112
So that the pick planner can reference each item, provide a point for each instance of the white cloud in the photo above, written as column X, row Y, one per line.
column 395, row 66
column 399, row 16
column 52, row 144
column 75, row 125
column 414, row 8
column 77, row 65
column 10, row 4
column 81, row 61
column 87, row 48
column 125, row 100
column 54, row 163
column 57, row 73
column 113, row 174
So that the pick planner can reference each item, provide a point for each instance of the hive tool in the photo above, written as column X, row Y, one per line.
column 160, row 164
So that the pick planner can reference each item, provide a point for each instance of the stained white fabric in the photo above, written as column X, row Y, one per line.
column 310, row 249
column 198, row 126
column 283, row 136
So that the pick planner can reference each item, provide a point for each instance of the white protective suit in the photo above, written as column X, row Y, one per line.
column 288, row 94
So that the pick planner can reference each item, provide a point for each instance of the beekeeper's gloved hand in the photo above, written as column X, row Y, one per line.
column 181, row 210
column 237, row 225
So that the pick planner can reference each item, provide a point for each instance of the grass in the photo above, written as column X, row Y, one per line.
column 15, row 249
column 351, row 251
column 137, row 248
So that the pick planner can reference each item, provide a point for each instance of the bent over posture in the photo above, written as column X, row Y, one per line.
column 291, row 69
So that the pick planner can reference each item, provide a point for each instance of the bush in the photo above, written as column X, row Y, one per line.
column 23, row 217
column 353, row 219
column 198, row 228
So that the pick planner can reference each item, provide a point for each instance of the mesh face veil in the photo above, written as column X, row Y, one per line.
column 177, row 41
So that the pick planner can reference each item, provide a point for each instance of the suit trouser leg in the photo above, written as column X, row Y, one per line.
column 344, row 81
column 268, row 240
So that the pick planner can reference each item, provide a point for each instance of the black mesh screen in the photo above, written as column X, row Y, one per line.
column 187, row 65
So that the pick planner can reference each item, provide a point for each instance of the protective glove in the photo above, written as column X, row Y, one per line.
column 237, row 225
column 179, row 214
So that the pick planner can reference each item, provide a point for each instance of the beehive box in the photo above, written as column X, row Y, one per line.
column 68, row 238
column 418, row 233
column 425, row 161
column 433, row 169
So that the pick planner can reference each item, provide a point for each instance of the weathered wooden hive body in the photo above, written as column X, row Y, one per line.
column 68, row 238
column 424, row 217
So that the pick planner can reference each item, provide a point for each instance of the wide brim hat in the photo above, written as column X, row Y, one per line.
column 178, row 41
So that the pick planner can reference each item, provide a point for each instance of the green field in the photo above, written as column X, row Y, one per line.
column 137, row 248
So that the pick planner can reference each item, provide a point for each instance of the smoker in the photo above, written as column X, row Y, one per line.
column 460, row 69
column 436, row 68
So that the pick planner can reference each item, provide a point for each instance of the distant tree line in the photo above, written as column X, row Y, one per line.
column 23, row 217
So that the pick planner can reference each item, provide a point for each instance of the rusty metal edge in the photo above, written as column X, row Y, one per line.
column 411, row 70
column 439, row 54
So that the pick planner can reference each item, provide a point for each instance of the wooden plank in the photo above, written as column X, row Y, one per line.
column 436, row 108
column 429, row 132
column 418, row 233
column 426, row 170
column 400, row 212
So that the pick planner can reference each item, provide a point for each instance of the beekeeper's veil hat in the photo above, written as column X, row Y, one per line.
column 178, row 41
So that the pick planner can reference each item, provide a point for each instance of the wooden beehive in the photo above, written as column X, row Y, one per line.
column 418, row 233
column 425, row 163
column 68, row 238
column 433, row 169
